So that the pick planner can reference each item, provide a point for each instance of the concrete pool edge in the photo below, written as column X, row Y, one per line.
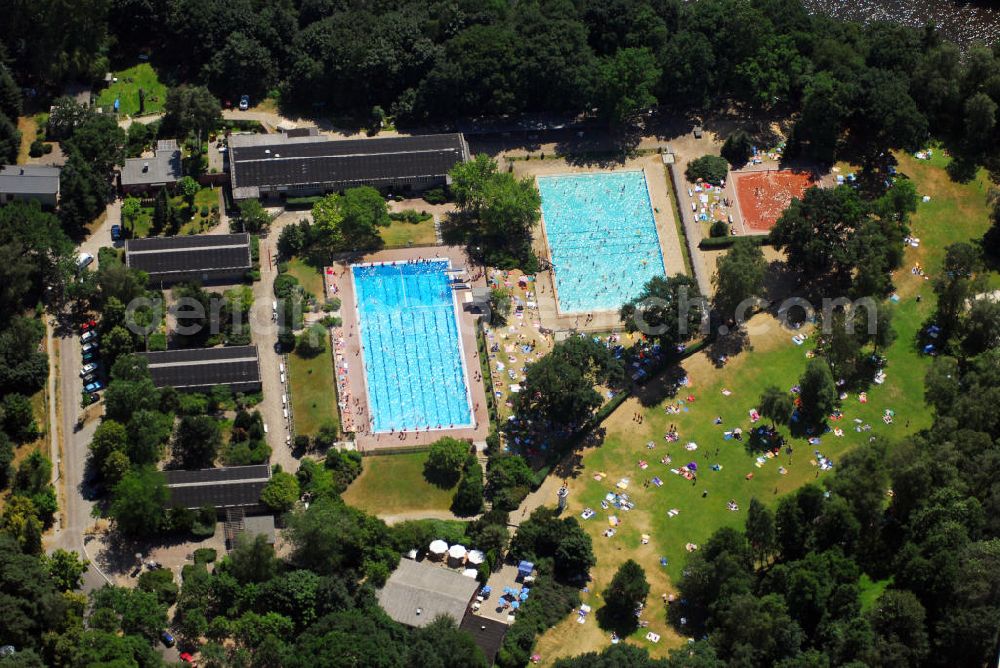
column 367, row 442
column 545, row 235
column 666, row 228
column 458, row 340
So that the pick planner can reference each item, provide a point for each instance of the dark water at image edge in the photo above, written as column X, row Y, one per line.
column 961, row 22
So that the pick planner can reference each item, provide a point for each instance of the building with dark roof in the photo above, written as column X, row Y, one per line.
column 201, row 369
column 21, row 183
column 289, row 164
column 140, row 175
column 487, row 633
column 227, row 488
column 206, row 258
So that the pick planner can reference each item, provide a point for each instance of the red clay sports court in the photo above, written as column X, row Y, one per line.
column 763, row 196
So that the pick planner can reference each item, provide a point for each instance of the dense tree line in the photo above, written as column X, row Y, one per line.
column 879, row 86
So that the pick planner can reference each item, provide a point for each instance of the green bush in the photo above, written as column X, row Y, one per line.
column 37, row 149
column 717, row 243
column 710, row 168
column 160, row 581
column 283, row 267
column 738, row 148
column 719, row 228
column 204, row 555
column 204, row 523
column 411, row 216
column 436, row 196
column 331, row 321
column 332, row 304
column 204, row 211
column 157, row 341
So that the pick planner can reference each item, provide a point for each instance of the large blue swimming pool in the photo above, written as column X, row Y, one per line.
column 602, row 237
column 412, row 350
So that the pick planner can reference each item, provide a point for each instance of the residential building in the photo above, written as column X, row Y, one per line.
column 23, row 183
column 146, row 175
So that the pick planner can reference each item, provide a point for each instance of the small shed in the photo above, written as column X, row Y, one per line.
column 525, row 569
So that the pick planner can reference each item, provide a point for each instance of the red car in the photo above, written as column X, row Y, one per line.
column 187, row 658
column 90, row 324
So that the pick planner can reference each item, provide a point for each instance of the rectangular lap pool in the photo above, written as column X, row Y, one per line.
column 602, row 236
column 414, row 371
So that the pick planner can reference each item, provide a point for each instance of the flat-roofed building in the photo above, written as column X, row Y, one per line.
column 201, row 369
column 24, row 183
column 206, row 258
column 226, row 488
column 142, row 175
column 291, row 164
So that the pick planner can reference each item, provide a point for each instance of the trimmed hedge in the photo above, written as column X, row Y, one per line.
column 718, row 243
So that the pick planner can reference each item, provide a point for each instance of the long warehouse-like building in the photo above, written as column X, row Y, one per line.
column 206, row 258
column 200, row 369
column 301, row 165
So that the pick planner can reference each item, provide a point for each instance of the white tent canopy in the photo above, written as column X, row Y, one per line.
column 438, row 547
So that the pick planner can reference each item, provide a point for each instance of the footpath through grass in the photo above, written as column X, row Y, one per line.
column 955, row 212
column 126, row 91
column 393, row 484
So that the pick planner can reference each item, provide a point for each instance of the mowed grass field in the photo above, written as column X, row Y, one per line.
column 391, row 484
column 955, row 212
column 402, row 233
column 313, row 397
column 126, row 91
column 308, row 276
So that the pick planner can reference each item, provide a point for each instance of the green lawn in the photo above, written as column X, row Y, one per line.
column 871, row 590
column 308, row 276
column 393, row 484
column 955, row 212
column 401, row 233
column 313, row 397
column 126, row 90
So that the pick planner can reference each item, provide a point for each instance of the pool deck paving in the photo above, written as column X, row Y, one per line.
column 663, row 214
column 354, row 402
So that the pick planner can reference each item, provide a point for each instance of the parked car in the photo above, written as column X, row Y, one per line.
column 90, row 324
column 83, row 260
column 89, row 335
column 244, row 102
column 90, row 347
column 116, row 232
column 167, row 639
column 88, row 368
column 187, row 658
column 93, row 398
column 89, row 378
column 94, row 386
column 90, row 356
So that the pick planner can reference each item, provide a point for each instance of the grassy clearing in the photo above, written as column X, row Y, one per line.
column 871, row 590
column 206, row 197
column 313, row 397
column 401, row 233
column 126, row 91
column 308, row 276
column 28, row 127
column 391, row 484
column 955, row 212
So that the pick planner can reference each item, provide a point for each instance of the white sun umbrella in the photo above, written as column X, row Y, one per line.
column 470, row 573
column 476, row 557
column 438, row 548
column 456, row 552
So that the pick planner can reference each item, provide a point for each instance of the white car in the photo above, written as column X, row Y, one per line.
column 88, row 347
column 83, row 260
column 88, row 368
column 89, row 335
